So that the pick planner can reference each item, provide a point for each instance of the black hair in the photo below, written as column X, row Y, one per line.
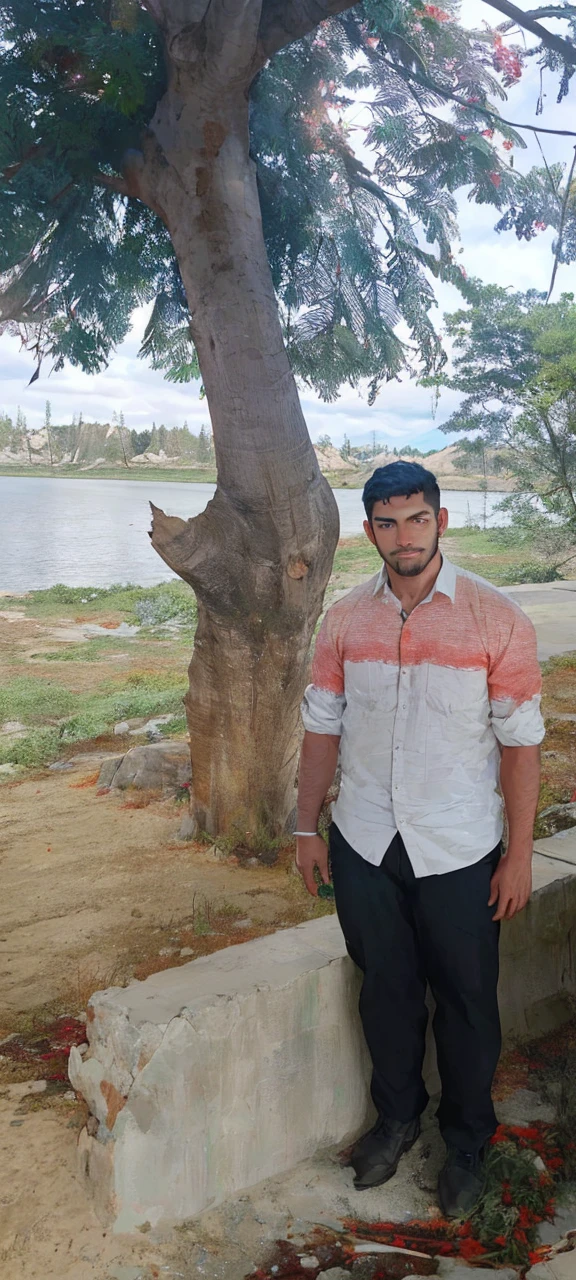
column 397, row 480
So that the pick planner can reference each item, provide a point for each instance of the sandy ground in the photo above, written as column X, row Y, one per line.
column 92, row 888
column 47, row 1228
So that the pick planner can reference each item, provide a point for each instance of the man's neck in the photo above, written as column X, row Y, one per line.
column 411, row 591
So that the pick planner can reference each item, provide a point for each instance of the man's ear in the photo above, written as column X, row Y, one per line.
column 368, row 530
column 442, row 521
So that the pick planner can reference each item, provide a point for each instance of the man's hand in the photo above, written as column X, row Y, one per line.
column 312, row 851
column 511, row 884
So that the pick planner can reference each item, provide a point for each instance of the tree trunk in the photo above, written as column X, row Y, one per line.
column 260, row 555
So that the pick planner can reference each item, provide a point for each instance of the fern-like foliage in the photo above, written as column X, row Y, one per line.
column 352, row 247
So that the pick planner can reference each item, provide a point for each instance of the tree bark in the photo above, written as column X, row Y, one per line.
column 259, row 556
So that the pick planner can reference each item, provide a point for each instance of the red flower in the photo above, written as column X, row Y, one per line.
column 508, row 145
column 496, row 178
column 501, row 1135
column 487, row 133
column 432, row 11
column 471, row 1249
column 525, row 1217
column 501, row 1240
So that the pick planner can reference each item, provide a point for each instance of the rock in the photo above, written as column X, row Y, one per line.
column 308, row 1262
column 187, row 951
column 108, row 771
column 188, row 828
column 13, row 729
column 524, row 1107
column 152, row 727
column 561, row 1267
column 453, row 1269
column 24, row 1088
column 557, row 818
column 61, row 766
column 242, row 924
column 167, row 951
column 335, row 1273
column 127, row 1273
column 7, row 770
column 159, row 766
column 121, row 728
column 69, row 1096
column 564, row 1221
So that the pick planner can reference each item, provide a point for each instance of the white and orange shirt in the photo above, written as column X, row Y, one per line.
column 422, row 707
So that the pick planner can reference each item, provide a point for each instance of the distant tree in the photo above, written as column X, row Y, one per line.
column 515, row 363
column 162, row 437
column 47, row 426
column 6, row 430
column 205, row 450
column 140, row 441
column 324, row 442
column 345, row 450
column 154, row 439
column 123, row 437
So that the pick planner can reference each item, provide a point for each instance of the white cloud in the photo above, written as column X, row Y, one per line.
column 403, row 410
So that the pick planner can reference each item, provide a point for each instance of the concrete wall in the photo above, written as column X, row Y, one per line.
column 208, row 1078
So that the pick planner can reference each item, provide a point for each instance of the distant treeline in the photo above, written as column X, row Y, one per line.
column 85, row 443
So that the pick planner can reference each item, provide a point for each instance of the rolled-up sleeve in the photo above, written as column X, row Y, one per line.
column 324, row 701
column 515, row 684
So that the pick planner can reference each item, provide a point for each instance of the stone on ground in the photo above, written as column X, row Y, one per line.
column 163, row 766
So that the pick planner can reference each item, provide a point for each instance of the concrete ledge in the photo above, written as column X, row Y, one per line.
column 206, row 1079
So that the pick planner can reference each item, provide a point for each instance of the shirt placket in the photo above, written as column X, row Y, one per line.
column 400, row 727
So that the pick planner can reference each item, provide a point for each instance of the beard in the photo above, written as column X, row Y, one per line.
column 412, row 568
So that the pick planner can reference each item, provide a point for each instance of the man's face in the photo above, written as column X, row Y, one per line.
column 406, row 531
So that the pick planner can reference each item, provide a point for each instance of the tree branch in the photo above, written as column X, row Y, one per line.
column 114, row 182
column 564, row 48
column 493, row 116
column 282, row 23
column 561, row 227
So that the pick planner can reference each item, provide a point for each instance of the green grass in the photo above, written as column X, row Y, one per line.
column 190, row 475
column 147, row 606
column 88, row 650
column 560, row 662
column 58, row 717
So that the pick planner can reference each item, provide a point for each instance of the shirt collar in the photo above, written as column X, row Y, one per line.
column 445, row 582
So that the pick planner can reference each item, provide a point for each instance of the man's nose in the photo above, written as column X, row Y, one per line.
column 403, row 538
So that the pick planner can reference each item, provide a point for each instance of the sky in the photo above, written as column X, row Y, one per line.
column 404, row 413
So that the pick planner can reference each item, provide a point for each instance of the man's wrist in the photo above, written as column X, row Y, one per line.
column 305, row 833
column 520, row 850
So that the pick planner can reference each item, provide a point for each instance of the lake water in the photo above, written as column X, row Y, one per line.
column 94, row 532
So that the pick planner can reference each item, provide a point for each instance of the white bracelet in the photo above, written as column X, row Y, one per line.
column 305, row 833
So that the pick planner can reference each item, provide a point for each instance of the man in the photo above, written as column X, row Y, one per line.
column 425, row 680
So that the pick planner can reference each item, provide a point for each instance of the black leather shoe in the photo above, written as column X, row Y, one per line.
column 461, row 1182
column 376, row 1156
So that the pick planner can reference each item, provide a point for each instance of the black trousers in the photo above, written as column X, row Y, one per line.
column 403, row 933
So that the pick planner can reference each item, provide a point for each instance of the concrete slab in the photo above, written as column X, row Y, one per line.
column 234, row 1068
column 552, row 608
column 560, row 847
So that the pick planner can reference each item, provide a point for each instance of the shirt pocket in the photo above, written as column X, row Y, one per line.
column 372, row 686
column 457, row 693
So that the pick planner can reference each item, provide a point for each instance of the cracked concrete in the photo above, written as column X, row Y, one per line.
column 206, row 1079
